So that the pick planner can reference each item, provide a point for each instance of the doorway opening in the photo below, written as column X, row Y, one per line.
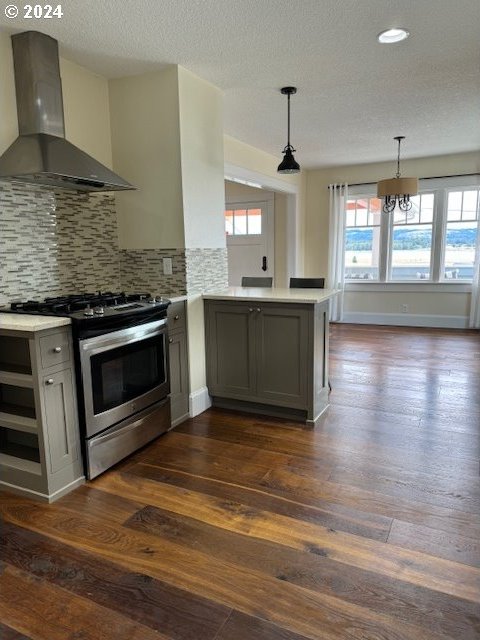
column 260, row 228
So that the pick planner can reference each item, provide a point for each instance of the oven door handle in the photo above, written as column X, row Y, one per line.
column 99, row 344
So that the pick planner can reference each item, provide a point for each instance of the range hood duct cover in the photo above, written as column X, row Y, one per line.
column 41, row 154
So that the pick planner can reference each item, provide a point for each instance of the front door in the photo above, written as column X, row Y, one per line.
column 249, row 229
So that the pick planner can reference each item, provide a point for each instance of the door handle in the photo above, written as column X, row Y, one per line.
column 264, row 263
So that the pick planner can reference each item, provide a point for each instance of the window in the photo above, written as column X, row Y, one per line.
column 362, row 239
column 412, row 240
column 461, row 234
column 243, row 222
column 435, row 241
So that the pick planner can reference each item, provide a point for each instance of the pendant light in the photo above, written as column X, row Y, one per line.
column 288, row 164
column 397, row 190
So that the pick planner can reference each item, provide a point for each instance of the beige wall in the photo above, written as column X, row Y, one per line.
column 145, row 122
column 316, row 232
column 85, row 99
column 8, row 109
column 201, row 141
column 87, row 113
column 419, row 303
column 244, row 155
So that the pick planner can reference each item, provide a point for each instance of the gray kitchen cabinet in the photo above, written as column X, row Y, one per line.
column 178, row 356
column 231, row 369
column 268, row 357
column 39, row 434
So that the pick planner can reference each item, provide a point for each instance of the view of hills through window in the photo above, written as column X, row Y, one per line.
column 410, row 237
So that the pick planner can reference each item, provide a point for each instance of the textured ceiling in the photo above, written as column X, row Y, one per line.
column 354, row 94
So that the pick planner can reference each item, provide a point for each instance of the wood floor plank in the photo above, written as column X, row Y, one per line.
column 7, row 633
column 199, row 447
column 114, row 508
column 420, row 569
column 260, row 434
column 328, row 514
column 242, row 627
column 437, row 543
column 284, row 482
column 458, row 494
column 368, row 589
column 316, row 616
column 246, row 527
column 173, row 612
column 45, row 612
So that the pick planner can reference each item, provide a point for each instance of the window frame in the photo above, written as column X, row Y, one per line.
column 440, row 187
column 367, row 226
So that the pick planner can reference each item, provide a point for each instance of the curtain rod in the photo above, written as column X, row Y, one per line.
column 457, row 175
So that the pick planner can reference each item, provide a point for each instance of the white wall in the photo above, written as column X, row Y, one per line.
column 377, row 302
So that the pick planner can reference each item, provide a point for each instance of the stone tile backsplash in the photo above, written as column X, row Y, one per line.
column 193, row 270
column 206, row 269
column 55, row 242
column 142, row 269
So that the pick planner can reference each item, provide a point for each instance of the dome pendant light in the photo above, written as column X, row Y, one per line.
column 288, row 164
column 397, row 190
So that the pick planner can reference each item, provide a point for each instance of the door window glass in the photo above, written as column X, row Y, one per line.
column 243, row 222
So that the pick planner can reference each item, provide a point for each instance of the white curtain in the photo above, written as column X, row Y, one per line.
column 475, row 300
column 336, row 247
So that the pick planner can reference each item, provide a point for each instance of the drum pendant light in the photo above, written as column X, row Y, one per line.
column 397, row 190
column 288, row 164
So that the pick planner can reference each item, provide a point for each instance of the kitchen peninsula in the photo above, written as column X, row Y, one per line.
column 267, row 350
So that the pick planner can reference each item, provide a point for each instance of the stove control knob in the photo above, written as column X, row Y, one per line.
column 88, row 311
column 99, row 311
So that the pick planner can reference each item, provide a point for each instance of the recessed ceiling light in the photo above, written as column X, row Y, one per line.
column 392, row 35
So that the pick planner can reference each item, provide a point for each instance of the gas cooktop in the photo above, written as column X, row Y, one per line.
column 90, row 305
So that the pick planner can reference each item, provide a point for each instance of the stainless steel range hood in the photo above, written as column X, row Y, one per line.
column 41, row 154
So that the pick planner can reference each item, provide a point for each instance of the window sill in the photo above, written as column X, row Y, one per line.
column 409, row 286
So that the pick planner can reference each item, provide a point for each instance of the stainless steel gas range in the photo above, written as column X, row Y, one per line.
column 121, row 355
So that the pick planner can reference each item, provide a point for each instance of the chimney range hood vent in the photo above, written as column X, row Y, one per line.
column 41, row 154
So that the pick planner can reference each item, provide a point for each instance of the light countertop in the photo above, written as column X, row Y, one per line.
column 26, row 322
column 175, row 298
column 259, row 294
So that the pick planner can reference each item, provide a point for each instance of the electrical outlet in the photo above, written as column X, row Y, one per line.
column 167, row 267
column 404, row 308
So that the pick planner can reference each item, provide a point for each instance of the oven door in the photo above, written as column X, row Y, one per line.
column 123, row 372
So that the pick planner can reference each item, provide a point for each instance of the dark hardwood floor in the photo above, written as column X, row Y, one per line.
column 235, row 527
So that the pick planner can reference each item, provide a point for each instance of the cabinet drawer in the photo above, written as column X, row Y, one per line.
column 176, row 314
column 54, row 349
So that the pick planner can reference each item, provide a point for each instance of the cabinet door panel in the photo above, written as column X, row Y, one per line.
column 60, row 419
column 282, row 355
column 230, row 350
column 178, row 374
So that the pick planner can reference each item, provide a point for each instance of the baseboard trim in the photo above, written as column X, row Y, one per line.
column 407, row 320
column 199, row 401
column 180, row 420
column 43, row 497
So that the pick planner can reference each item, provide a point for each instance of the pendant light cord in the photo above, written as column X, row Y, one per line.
column 398, row 158
column 288, row 122
column 399, row 138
